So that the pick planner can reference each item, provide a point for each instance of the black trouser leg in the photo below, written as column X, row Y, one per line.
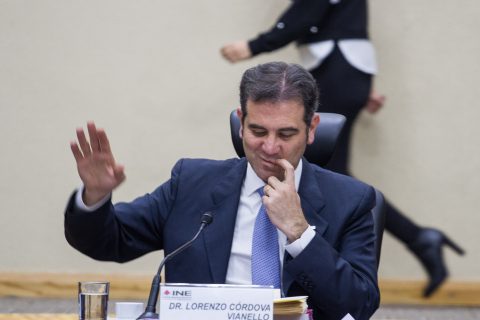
column 345, row 90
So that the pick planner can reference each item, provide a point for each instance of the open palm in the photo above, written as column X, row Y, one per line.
column 96, row 164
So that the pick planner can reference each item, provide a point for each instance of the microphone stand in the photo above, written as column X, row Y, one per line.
column 150, row 310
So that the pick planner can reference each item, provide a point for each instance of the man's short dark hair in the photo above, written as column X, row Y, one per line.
column 279, row 81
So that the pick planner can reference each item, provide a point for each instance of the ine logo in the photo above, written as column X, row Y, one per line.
column 177, row 294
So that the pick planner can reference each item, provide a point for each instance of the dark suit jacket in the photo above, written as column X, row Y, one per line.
column 337, row 270
column 309, row 21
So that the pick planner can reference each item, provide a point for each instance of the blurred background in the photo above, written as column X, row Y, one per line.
column 150, row 73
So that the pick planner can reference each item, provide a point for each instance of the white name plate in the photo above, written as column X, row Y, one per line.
column 216, row 302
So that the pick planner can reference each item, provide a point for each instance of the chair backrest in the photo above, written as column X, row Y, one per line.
column 378, row 213
column 319, row 153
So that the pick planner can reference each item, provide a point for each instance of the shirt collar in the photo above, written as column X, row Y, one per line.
column 252, row 182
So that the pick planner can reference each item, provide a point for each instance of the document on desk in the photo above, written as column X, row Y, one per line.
column 216, row 302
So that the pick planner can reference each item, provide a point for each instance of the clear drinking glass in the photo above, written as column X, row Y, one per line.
column 93, row 300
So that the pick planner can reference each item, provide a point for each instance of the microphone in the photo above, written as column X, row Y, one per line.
column 150, row 310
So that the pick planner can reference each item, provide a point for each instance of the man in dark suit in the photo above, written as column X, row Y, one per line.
column 323, row 229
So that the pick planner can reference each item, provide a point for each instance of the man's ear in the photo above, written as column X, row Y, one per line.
column 312, row 128
column 240, row 118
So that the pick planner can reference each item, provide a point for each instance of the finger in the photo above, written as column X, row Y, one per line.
column 266, row 201
column 289, row 171
column 76, row 151
column 119, row 172
column 267, row 190
column 103, row 141
column 92, row 132
column 274, row 183
column 84, row 145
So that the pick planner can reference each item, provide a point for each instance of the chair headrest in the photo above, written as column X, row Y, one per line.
column 319, row 152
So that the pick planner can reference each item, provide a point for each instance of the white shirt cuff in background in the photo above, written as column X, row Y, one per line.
column 297, row 246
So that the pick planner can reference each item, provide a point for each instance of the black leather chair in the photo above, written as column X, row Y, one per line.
column 319, row 153
column 378, row 213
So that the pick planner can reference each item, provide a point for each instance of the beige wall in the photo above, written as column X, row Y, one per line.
column 150, row 73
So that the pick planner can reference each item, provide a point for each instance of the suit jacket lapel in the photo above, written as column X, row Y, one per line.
column 218, row 236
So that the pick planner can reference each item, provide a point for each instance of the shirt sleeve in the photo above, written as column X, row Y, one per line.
column 297, row 246
column 81, row 205
column 296, row 21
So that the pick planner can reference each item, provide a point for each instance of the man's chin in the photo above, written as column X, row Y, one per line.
column 267, row 173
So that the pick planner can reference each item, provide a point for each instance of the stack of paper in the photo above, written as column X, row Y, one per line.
column 290, row 306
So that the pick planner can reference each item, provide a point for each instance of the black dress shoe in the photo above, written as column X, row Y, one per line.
column 428, row 249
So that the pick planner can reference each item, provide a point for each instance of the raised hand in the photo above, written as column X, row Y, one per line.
column 283, row 203
column 96, row 164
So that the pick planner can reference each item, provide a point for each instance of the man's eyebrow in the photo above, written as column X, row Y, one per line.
column 283, row 130
column 288, row 129
column 255, row 126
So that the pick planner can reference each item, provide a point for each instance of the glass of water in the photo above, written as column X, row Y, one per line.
column 93, row 300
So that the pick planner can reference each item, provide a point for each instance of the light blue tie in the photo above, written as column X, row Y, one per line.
column 265, row 253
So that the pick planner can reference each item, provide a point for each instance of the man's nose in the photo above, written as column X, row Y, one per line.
column 270, row 145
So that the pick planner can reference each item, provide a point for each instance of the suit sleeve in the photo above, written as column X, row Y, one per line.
column 342, row 280
column 124, row 231
column 295, row 22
